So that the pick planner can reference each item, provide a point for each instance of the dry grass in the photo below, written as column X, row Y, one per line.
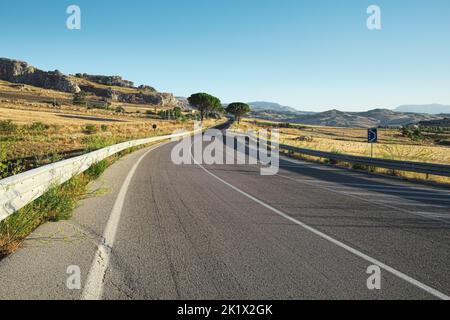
column 58, row 203
column 35, row 131
column 31, row 126
column 353, row 141
column 67, row 131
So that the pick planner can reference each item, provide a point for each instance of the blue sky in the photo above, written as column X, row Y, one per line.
column 313, row 55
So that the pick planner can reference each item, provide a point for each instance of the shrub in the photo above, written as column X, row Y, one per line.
column 38, row 126
column 177, row 112
column 96, row 170
column 414, row 134
column 104, row 127
column 79, row 98
column 444, row 142
column 90, row 129
column 120, row 110
column 8, row 168
column 7, row 127
column 96, row 142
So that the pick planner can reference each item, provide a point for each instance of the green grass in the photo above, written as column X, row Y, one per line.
column 96, row 142
column 90, row 129
column 8, row 168
column 7, row 127
column 97, row 169
column 38, row 127
column 58, row 203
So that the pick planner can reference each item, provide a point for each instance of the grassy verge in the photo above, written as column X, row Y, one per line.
column 413, row 176
column 27, row 146
column 58, row 203
column 353, row 141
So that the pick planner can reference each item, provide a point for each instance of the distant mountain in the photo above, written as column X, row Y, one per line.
column 336, row 118
column 425, row 108
column 271, row 106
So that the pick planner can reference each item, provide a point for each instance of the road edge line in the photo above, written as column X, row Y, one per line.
column 94, row 287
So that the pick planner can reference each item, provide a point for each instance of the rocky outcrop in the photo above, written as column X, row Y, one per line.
column 146, row 88
column 107, row 80
column 154, row 98
column 21, row 72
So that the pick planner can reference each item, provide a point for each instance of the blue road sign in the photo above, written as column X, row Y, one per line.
column 372, row 135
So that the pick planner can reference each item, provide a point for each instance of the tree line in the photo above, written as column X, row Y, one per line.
column 206, row 103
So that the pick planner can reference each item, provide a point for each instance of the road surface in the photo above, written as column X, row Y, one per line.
column 157, row 230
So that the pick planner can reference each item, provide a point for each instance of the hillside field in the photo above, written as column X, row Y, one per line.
column 392, row 144
column 31, row 126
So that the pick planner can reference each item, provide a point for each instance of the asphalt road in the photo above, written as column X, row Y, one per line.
column 163, row 231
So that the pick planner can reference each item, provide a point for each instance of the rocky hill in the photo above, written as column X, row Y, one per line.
column 336, row 118
column 112, row 88
column 21, row 72
column 106, row 80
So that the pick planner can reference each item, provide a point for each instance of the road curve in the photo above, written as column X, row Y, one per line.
column 226, row 232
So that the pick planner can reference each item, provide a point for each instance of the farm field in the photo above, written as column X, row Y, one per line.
column 392, row 144
column 32, row 127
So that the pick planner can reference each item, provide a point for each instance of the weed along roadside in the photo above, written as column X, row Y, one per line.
column 351, row 141
column 59, row 201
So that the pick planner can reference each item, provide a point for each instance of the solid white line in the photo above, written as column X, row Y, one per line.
column 93, row 290
column 406, row 192
column 351, row 173
column 409, row 196
column 371, row 260
column 375, row 201
column 408, row 203
column 435, row 214
column 379, row 202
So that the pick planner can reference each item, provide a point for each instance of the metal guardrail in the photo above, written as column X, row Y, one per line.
column 19, row 190
column 409, row 166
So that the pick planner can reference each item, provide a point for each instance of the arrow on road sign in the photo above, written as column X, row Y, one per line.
column 372, row 135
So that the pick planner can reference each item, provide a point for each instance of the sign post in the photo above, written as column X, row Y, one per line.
column 372, row 138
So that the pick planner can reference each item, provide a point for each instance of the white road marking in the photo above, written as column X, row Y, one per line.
column 371, row 260
column 350, row 173
column 394, row 187
column 93, row 290
column 409, row 203
column 340, row 244
column 409, row 197
column 406, row 192
column 435, row 214
column 377, row 202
